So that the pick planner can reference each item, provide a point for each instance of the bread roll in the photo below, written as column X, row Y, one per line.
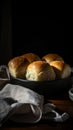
column 40, row 71
column 61, row 69
column 31, row 57
column 17, row 67
column 52, row 57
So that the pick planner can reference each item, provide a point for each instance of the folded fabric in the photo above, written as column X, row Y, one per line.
column 4, row 76
column 21, row 104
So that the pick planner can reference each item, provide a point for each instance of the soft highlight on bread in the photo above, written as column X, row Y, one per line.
column 31, row 57
column 30, row 66
column 17, row 67
column 52, row 57
column 40, row 71
column 62, row 69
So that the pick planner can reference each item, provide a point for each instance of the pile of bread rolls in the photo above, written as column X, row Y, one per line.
column 30, row 66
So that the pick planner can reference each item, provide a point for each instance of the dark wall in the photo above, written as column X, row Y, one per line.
column 5, row 31
column 38, row 34
column 21, row 34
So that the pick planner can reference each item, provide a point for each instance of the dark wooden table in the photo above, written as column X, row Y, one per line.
column 63, row 103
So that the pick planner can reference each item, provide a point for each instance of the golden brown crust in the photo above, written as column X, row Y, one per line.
column 17, row 66
column 28, row 65
column 61, row 69
column 52, row 57
column 40, row 71
column 38, row 66
column 57, row 64
column 31, row 57
column 16, row 62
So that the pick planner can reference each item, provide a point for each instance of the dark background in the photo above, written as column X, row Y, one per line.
column 21, row 34
column 38, row 34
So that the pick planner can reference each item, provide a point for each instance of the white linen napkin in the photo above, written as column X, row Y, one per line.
column 21, row 104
